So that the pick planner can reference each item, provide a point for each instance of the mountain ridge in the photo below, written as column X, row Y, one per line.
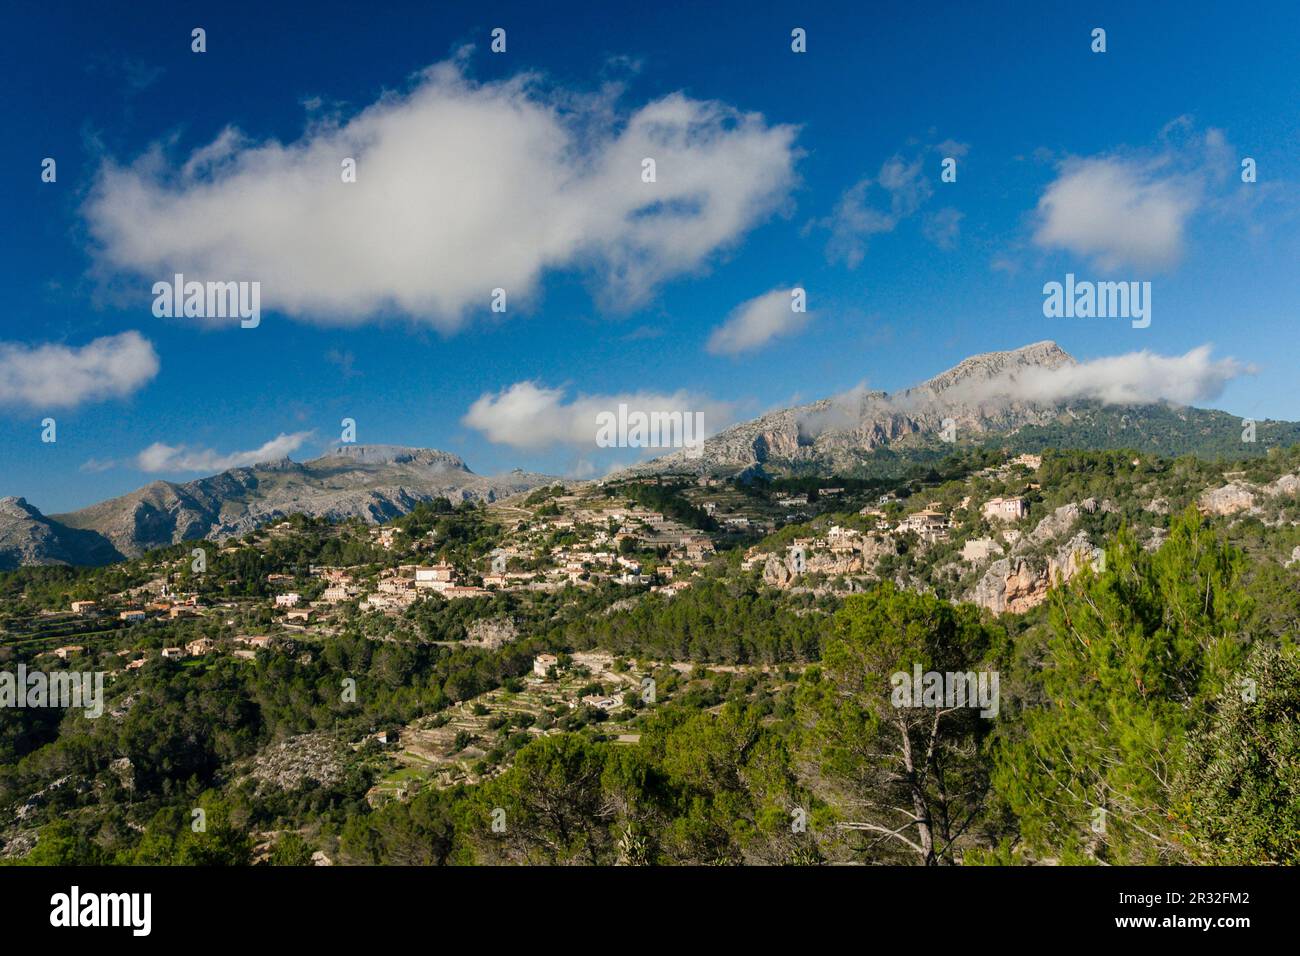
column 973, row 402
column 371, row 482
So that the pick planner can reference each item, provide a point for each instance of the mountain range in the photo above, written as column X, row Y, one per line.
column 980, row 401
column 858, row 433
column 372, row 482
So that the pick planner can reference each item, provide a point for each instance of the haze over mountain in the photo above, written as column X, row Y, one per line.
column 372, row 482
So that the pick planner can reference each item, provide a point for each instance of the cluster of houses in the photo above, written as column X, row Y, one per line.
column 544, row 664
column 249, row 646
column 595, row 558
column 398, row 588
column 169, row 605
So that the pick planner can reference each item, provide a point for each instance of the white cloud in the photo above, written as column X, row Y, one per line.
column 96, row 465
column 855, row 219
column 753, row 324
column 1118, row 212
column 62, row 376
column 462, row 187
column 530, row 416
column 953, row 148
column 943, row 227
column 172, row 458
column 878, row 204
column 843, row 411
column 1136, row 378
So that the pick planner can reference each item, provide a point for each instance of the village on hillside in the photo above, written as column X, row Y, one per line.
column 998, row 531
column 1000, row 550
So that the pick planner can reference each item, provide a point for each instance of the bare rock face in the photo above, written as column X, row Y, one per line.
column 493, row 633
column 1010, row 585
column 1073, row 556
column 1237, row 497
column 19, row 844
column 1286, row 485
column 1024, row 588
column 783, row 572
column 124, row 771
column 1054, row 525
column 1013, row 585
column 287, row 765
column 777, row 573
column 1228, row 500
column 877, row 546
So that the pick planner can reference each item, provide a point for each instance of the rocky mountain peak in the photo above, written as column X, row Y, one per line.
column 979, row 395
column 394, row 455
column 14, row 506
column 991, row 365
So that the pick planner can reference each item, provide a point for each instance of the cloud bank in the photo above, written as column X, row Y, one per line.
column 1136, row 378
column 159, row 457
column 529, row 416
column 61, row 376
column 461, row 187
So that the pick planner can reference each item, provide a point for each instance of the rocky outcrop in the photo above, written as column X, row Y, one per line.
column 1286, row 485
column 1015, row 584
column 777, row 572
column 123, row 772
column 1024, row 588
column 308, row 758
column 1238, row 497
column 783, row 570
column 1228, row 500
column 1053, row 526
column 493, row 633
column 875, row 547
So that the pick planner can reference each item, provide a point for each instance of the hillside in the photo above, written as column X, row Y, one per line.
column 372, row 482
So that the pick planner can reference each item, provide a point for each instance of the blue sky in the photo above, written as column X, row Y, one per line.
column 819, row 170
